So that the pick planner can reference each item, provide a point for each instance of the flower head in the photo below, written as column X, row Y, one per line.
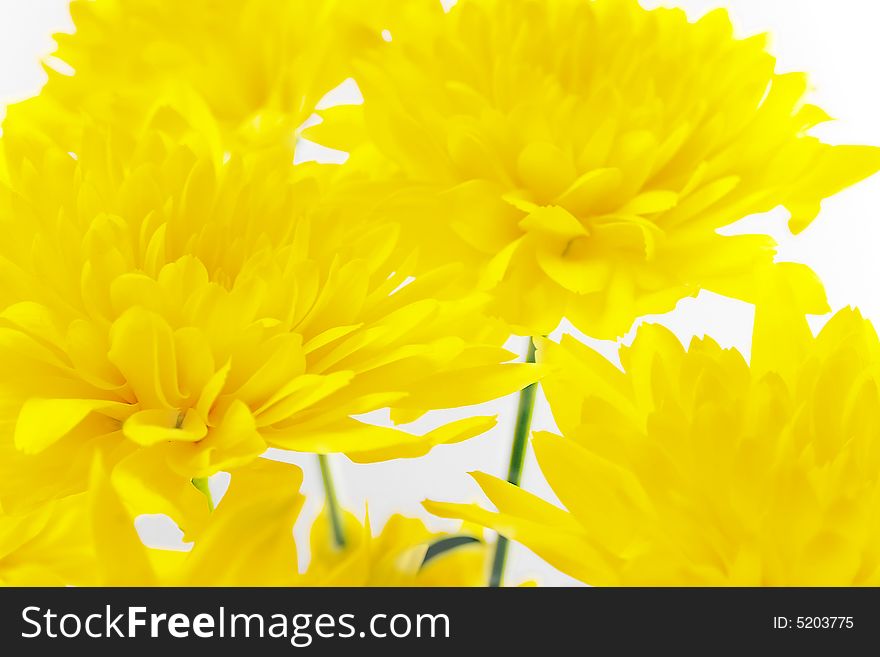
column 692, row 468
column 580, row 155
column 184, row 310
column 258, row 67
column 405, row 553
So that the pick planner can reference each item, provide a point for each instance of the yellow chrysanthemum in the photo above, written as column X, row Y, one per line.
column 258, row 67
column 405, row 553
column 247, row 541
column 693, row 468
column 581, row 155
column 186, row 310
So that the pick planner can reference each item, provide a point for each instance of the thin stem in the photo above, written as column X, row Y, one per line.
column 201, row 484
column 333, row 507
column 517, row 459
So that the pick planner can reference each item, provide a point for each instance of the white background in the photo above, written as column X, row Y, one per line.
column 834, row 40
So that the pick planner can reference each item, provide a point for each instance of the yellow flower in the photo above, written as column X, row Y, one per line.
column 580, row 156
column 258, row 67
column 185, row 309
column 693, row 468
column 248, row 541
column 405, row 553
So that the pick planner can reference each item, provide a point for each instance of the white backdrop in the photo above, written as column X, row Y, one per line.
column 834, row 40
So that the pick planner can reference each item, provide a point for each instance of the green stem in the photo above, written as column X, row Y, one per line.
column 333, row 507
column 517, row 459
column 201, row 484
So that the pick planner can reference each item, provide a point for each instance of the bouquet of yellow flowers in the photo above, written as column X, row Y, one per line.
column 185, row 299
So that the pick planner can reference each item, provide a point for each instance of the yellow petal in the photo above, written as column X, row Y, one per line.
column 581, row 275
column 42, row 422
column 302, row 392
column 120, row 553
column 142, row 348
column 148, row 484
column 157, row 426
column 342, row 128
column 453, row 432
column 781, row 334
column 545, row 168
column 605, row 498
column 553, row 221
column 590, row 190
column 564, row 550
column 233, row 442
column 836, row 168
column 470, row 385
column 513, row 500
column 256, row 516
column 354, row 438
column 651, row 202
